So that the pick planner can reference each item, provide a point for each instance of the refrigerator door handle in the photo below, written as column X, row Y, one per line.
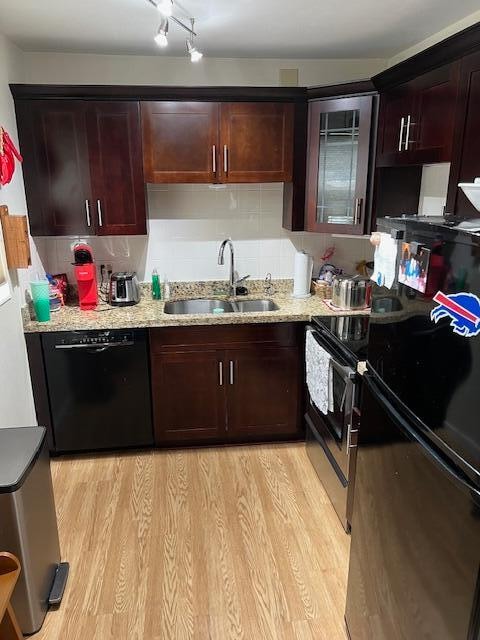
column 429, row 451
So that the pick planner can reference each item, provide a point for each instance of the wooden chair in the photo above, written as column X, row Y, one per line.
column 9, row 572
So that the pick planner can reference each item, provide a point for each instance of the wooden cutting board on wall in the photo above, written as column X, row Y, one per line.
column 15, row 235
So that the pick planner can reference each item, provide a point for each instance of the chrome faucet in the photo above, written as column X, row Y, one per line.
column 221, row 260
column 234, row 280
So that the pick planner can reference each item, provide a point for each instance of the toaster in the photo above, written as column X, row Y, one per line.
column 124, row 289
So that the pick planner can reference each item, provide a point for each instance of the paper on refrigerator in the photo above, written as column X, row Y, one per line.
column 385, row 259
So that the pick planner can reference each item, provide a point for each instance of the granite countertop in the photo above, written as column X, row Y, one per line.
column 150, row 313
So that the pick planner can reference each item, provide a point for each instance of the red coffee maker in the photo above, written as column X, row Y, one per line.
column 86, row 276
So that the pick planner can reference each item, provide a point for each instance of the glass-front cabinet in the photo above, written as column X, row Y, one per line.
column 338, row 164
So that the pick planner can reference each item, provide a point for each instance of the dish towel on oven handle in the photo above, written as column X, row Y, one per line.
column 319, row 374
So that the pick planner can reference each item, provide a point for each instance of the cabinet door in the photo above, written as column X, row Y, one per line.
column 180, row 141
column 53, row 142
column 466, row 159
column 395, row 108
column 338, row 164
column 430, row 135
column 115, row 151
column 188, row 396
column 256, row 142
column 263, row 388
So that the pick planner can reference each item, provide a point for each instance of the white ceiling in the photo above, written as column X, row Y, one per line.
column 233, row 28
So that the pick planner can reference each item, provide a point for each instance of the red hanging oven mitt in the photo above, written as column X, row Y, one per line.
column 8, row 153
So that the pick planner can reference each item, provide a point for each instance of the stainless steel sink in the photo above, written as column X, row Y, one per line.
column 198, row 306
column 205, row 306
column 245, row 306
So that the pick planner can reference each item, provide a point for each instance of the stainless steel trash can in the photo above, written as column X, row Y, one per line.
column 28, row 523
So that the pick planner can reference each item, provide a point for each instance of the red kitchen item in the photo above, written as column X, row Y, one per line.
column 86, row 276
column 8, row 153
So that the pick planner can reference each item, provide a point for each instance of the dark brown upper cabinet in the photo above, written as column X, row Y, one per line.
column 217, row 142
column 417, row 119
column 466, row 159
column 115, row 151
column 180, row 141
column 338, row 166
column 256, row 142
column 82, row 167
column 53, row 142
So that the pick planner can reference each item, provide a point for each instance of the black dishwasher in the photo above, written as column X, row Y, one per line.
column 99, row 389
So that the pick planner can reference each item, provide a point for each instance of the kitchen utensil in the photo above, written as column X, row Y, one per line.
column 351, row 292
column 41, row 299
column 124, row 289
column 86, row 276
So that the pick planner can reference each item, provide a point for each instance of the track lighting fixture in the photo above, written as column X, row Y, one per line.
column 161, row 37
column 193, row 52
column 166, row 9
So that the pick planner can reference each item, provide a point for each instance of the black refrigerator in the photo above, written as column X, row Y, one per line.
column 415, row 551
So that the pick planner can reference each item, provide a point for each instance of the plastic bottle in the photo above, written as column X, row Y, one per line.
column 166, row 288
column 156, row 290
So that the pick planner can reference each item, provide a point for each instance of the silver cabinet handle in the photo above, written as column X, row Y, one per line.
column 358, row 211
column 400, row 142
column 408, row 133
column 232, row 380
column 87, row 213
column 220, row 374
column 349, row 439
column 99, row 211
column 225, row 158
column 214, row 158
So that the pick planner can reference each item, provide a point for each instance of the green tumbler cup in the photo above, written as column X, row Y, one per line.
column 41, row 299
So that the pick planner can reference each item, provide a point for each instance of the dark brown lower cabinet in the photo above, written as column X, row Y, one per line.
column 188, row 400
column 262, row 391
column 227, row 384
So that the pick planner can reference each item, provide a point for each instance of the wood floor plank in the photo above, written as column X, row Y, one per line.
column 234, row 543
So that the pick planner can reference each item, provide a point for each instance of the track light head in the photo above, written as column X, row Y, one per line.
column 193, row 52
column 161, row 38
column 165, row 7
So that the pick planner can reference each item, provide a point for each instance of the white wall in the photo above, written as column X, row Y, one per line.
column 186, row 226
column 79, row 68
column 433, row 191
column 16, row 402
column 468, row 21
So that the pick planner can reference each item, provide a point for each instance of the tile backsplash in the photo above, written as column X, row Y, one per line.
column 186, row 226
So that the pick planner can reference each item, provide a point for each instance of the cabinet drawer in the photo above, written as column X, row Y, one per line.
column 224, row 336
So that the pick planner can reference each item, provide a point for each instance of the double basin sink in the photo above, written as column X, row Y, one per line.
column 207, row 305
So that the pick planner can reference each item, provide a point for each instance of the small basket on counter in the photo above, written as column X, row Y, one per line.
column 322, row 289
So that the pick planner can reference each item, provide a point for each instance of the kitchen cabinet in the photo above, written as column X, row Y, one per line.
column 53, row 142
column 211, row 142
column 417, row 119
column 115, row 153
column 466, row 161
column 180, row 141
column 256, row 142
column 262, row 391
column 338, row 165
column 188, row 395
column 226, row 384
column 82, row 167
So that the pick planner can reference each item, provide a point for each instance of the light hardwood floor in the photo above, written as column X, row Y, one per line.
column 226, row 543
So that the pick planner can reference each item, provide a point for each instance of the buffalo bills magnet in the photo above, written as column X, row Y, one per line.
column 463, row 309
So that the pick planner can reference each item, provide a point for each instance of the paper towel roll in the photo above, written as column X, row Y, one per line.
column 302, row 275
